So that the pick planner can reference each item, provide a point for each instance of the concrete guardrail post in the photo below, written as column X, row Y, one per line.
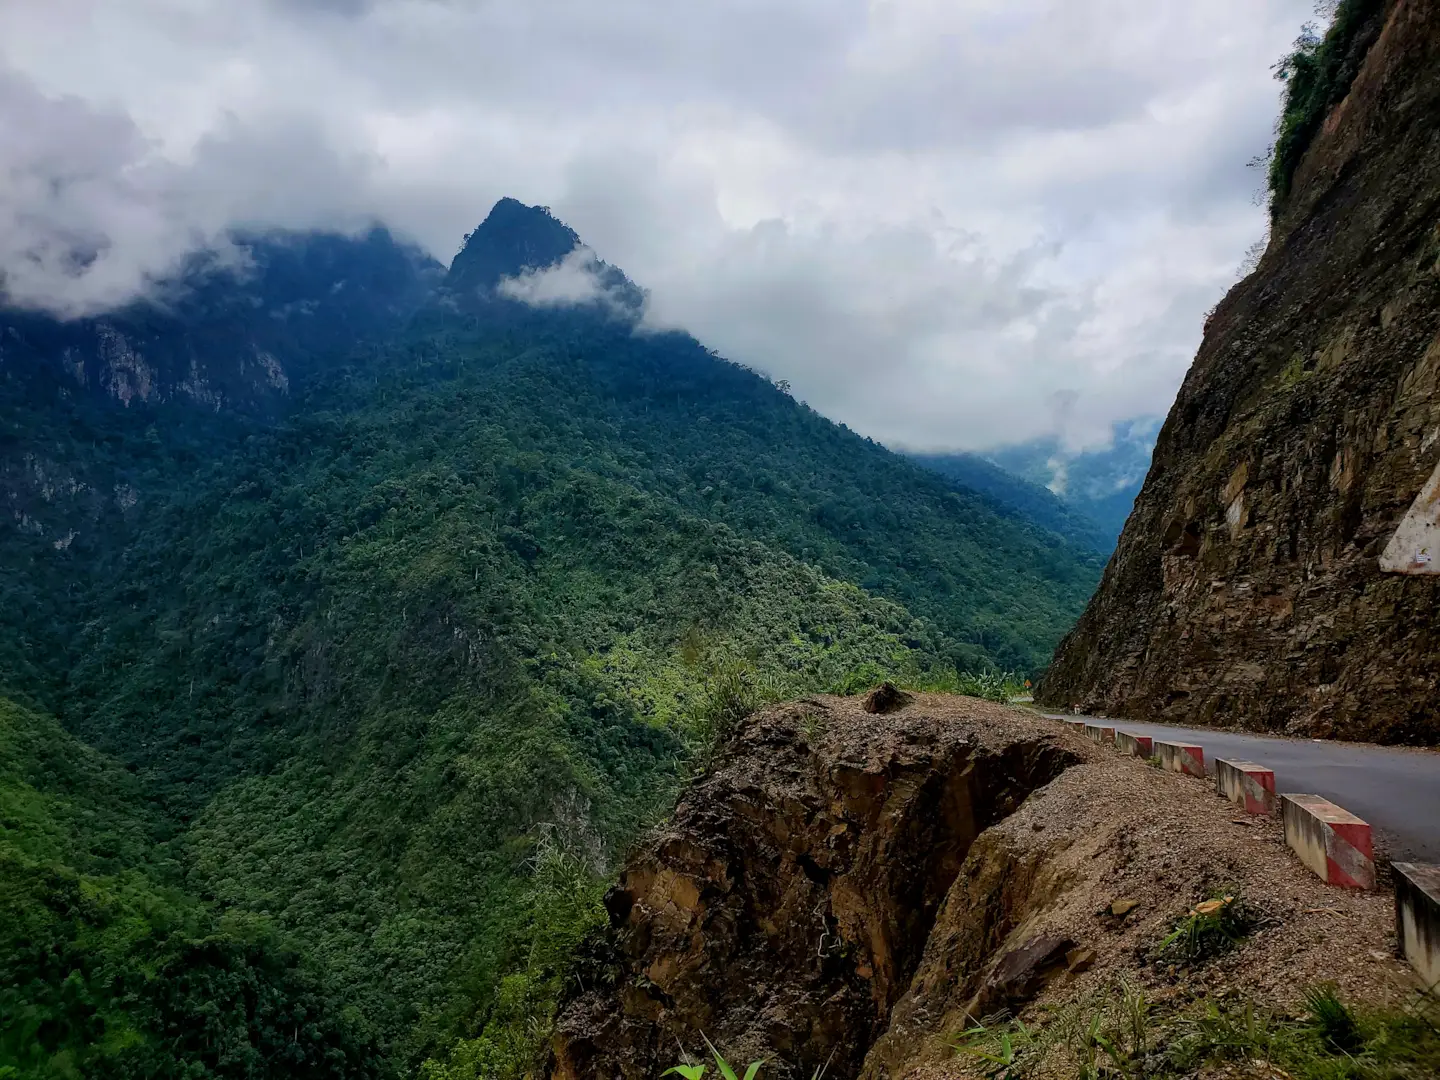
column 1135, row 745
column 1330, row 840
column 1100, row 734
column 1181, row 758
column 1417, row 919
column 1246, row 784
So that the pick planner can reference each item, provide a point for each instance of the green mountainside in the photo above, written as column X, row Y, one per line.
column 1085, row 495
column 387, row 675
column 1023, row 498
column 107, row 968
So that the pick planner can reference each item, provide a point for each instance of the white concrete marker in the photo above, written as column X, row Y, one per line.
column 1416, row 543
column 1417, row 918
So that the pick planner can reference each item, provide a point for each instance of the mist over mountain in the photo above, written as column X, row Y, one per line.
column 1085, row 495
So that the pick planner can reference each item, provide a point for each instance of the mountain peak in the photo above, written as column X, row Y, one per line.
column 513, row 238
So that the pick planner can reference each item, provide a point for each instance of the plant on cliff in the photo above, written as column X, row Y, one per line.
column 1317, row 74
column 727, row 1071
column 999, row 1050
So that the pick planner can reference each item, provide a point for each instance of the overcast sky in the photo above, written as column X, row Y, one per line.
column 949, row 223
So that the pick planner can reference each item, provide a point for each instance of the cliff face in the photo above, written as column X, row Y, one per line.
column 1247, row 587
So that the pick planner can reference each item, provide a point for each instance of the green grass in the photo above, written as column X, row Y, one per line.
column 1331, row 1040
column 1120, row 1034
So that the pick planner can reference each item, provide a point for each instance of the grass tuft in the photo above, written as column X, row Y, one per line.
column 1211, row 927
column 1118, row 1034
column 1332, row 1019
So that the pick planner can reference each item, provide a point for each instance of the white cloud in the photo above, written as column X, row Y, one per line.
column 948, row 223
column 574, row 281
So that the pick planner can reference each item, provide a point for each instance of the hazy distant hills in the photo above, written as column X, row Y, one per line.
column 1085, row 496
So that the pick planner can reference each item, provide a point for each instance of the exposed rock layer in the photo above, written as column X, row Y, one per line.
column 1246, row 588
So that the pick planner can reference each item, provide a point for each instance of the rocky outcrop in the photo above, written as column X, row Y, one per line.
column 786, row 906
column 1247, row 587
column 228, row 333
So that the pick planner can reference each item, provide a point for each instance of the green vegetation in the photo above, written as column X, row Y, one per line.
column 1376, row 1044
column 727, row 1071
column 388, row 680
column 1023, row 497
column 1119, row 1033
column 1209, row 928
column 107, row 968
column 1317, row 76
column 1294, row 373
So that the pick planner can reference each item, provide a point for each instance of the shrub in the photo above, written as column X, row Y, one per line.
column 1209, row 928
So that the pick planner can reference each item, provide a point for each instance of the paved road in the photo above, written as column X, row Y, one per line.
column 1397, row 791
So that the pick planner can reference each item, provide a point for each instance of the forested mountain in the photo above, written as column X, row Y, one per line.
column 1100, row 484
column 1023, row 498
column 1084, row 496
column 389, row 659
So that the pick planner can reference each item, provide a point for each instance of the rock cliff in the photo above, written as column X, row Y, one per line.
column 1248, row 587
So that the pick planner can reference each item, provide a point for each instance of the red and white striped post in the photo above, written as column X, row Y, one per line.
column 1141, row 746
column 1246, row 784
column 1181, row 757
column 1330, row 840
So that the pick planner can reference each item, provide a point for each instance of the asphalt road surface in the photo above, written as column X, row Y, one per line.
column 1396, row 791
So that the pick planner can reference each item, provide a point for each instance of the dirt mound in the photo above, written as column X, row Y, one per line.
column 886, row 698
column 849, row 887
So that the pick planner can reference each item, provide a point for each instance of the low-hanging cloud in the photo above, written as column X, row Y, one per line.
column 93, row 216
column 947, row 224
column 575, row 280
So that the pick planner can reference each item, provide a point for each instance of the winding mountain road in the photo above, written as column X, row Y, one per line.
column 1396, row 790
